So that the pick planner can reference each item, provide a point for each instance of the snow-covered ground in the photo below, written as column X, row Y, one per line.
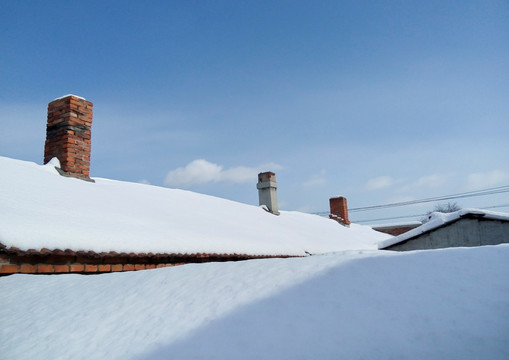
column 437, row 304
column 41, row 209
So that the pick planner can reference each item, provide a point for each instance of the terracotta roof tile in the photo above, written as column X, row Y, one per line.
column 174, row 258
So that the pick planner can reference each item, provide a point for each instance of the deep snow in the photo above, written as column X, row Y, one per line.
column 41, row 209
column 438, row 304
column 356, row 303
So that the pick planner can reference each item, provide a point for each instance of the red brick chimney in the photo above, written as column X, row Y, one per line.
column 339, row 210
column 68, row 135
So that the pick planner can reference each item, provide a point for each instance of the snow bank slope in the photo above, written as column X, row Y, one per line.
column 41, row 209
column 436, row 304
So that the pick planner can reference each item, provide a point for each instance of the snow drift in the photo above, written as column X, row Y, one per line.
column 437, row 304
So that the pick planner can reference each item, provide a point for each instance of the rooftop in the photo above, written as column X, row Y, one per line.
column 43, row 210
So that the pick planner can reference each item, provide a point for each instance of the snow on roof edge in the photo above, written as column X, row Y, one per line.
column 438, row 219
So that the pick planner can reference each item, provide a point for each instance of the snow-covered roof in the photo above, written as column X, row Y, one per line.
column 438, row 219
column 41, row 209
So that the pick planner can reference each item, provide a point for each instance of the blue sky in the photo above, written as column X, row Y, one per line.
column 377, row 101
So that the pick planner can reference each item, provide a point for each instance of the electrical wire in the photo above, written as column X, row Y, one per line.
column 489, row 191
column 483, row 192
column 418, row 215
column 388, row 218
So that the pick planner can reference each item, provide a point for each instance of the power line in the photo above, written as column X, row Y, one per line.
column 419, row 215
column 389, row 218
column 496, row 206
column 483, row 192
column 489, row 191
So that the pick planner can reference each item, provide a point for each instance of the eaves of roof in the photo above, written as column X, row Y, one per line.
column 14, row 255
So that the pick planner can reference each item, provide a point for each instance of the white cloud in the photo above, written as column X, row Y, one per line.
column 318, row 179
column 201, row 171
column 196, row 172
column 430, row 181
column 379, row 183
column 239, row 174
column 487, row 179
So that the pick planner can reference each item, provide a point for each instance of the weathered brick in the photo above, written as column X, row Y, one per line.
column 45, row 269
column 77, row 268
column 27, row 269
column 339, row 210
column 150, row 266
column 61, row 268
column 68, row 127
column 104, row 268
column 90, row 268
column 8, row 269
column 128, row 267
column 116, row 267
column 139, row 267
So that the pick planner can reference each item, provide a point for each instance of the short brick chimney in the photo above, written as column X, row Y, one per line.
column 267, row 186
column 339, row 210
column 68, row 135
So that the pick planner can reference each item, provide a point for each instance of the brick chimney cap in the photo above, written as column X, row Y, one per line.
column 68, row 95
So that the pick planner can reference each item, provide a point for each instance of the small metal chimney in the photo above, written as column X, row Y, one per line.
column 267, row 186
